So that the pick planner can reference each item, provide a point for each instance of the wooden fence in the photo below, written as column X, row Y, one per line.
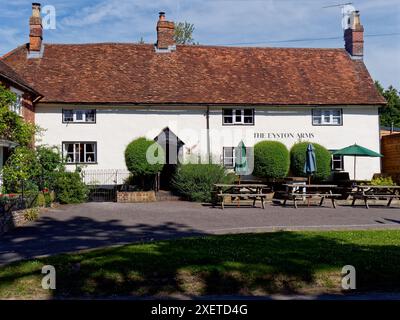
column 391, row 161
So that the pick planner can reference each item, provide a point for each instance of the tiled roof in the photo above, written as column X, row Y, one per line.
column 135, row 73
column 9, row 74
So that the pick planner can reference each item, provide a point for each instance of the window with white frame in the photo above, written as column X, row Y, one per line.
column 337, row 163
column 79, row 116
column 327, row 117
column 229, row 157
column 17, row 105
column 238, row 116
column 80, row 152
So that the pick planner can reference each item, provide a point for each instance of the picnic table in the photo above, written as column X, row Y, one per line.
column 299, row 192
column 365, row 192
column 252, row 191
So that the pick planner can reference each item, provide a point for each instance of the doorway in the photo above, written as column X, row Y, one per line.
column 173, row 149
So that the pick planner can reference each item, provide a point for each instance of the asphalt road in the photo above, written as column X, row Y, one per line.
column 93, row 225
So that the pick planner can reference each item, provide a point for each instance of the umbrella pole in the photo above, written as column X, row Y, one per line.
column 309, row 182
column 355, row 161
column 239, row 195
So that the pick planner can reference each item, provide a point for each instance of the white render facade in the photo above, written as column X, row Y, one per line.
column 114, row 127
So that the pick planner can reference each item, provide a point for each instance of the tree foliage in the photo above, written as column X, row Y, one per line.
column 21, row 169
column 184, row 33
column 12, row 126
column 389, row 114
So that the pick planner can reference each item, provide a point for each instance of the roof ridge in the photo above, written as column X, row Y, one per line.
column 194, row 46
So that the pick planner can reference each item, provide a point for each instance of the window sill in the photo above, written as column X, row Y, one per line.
column 80, row 163
column 73, row 122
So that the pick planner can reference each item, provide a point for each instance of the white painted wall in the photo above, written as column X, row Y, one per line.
column 117, row 126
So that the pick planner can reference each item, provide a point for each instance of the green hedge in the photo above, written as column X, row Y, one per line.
column 195, row 181
column 271, row 160
column 298, row 158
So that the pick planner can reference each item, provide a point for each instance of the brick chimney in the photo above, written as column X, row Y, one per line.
column 354, row 37
column 35, row 30
column 165, row 34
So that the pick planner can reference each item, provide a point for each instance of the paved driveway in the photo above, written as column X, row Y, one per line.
column 92, row 225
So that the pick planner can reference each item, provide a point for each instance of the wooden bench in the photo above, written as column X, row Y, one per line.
column 294, row 196
column 244, row 196
column 366, row 197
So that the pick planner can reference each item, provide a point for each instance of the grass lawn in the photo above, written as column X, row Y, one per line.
column 248, row 264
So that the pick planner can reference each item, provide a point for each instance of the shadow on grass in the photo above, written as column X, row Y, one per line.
column 281, row 262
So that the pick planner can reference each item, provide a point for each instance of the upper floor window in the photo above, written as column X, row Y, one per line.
column 17, row 105
column 79, row 116
column 327, row 117
column 80, row 152
column 238, row 116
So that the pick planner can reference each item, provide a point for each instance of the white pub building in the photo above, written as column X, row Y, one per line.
column 99, row 97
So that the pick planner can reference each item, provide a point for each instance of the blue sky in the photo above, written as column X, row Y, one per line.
column 217, row 22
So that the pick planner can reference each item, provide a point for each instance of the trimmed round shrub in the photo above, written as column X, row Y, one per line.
column 195, row 181
column 136, row 161
column 271, row 160
column 298, row 159
column 69, row 188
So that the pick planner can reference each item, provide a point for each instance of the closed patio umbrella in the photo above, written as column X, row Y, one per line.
column 241, row 166
column 356, row 151
column 310, row 165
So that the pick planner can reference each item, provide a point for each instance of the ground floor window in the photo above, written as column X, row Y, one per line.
column 80, row 152
column 337, row 162
column 229, row 157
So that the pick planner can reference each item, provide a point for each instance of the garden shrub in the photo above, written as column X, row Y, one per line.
column 271, row 160
column 51, row 163
column 136, row 160
column 31, row 214
column 40, row 200
column 382, row 181
column 298, row 159
column 195, row 181
column 69, row 188
column 21, row 170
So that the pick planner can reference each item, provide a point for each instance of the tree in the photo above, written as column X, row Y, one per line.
column 12, row 126
column 389, row 114
column 184, row 33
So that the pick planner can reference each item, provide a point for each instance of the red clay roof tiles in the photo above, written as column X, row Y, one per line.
column 135, row 73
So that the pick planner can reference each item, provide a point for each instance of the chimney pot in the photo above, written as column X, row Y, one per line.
column 162, row 16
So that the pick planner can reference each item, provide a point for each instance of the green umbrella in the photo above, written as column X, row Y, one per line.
column 356, row 151
column 241, row 166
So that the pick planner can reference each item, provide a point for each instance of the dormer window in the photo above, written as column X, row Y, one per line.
column 79, row 116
